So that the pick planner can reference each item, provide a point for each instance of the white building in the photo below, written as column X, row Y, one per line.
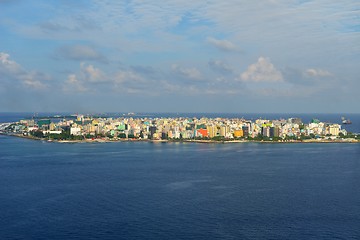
column 75, row 131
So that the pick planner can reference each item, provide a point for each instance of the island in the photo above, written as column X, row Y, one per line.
column 82, row 128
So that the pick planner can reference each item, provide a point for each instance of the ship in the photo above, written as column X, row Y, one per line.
column 345, row 121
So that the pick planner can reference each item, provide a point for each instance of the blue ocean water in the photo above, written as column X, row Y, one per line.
column 144, row 190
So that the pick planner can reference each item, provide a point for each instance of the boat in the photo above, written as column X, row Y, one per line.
column 345, row 121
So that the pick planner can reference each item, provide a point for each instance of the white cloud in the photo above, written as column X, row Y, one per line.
column 262, row 71
column 92, row 74
column 189, row 73
column 80, row 52
column 126, row 77
column 73, row 84
column 12, row 70
column 130, row 82
column 88, row 74
column 224, row 45
column 91, row 78
column 220, row 66
column 34, row 80
column 311, row 72
column 8, row 65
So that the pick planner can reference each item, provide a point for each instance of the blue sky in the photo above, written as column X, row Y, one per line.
column 180, row 56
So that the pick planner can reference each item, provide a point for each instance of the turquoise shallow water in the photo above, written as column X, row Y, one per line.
column 147, row 190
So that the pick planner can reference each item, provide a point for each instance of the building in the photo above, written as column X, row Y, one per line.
column 211, row 131
column 75, row 131
column 202, row 132
column 265, row 131
column 245, row 131
column 43, row 122
column 238, row 133
column 152, row 130
column 334, row 129
column 274, row 132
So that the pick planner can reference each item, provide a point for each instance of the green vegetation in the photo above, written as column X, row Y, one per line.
column 64, row 135
column 218, row 138
column 38, row 134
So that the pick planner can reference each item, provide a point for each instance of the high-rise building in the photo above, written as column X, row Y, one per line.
column 245, row 131
column 152, row 130
column 211, row 130
column 265, row 131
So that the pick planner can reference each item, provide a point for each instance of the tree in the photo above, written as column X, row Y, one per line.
column 38, row 134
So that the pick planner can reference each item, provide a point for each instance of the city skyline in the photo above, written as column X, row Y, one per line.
column 150, row 56
column 88, row 128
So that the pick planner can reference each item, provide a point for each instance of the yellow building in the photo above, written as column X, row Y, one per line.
column 224, row 130
column 238, row 133
column 52, row 126
column 334, row 129
column 211, row 131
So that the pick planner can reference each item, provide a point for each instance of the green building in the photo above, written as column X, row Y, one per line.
column 42, row 122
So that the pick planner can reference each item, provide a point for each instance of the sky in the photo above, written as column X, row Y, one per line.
column 233, row 56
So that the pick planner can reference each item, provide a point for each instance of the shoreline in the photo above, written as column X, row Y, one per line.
column 204, row 141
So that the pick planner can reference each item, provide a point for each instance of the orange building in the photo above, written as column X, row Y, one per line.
column 238, row 133
column 202, row 132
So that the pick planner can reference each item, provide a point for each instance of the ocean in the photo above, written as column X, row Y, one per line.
column 144, row 190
